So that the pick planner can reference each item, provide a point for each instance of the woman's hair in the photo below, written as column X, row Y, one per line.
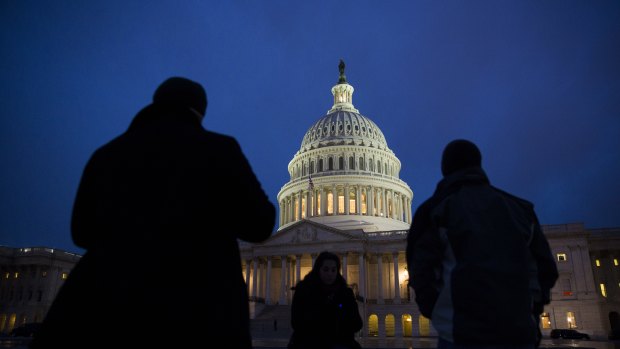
column 313, row 276
column 325, row 256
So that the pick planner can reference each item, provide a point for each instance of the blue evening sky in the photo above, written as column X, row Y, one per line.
column 536, row 84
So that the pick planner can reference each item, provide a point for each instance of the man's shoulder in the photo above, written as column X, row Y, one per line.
column 521, row 201
column 216, row 135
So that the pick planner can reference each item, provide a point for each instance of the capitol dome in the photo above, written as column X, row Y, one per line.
column 343, row 127
column 344, row 174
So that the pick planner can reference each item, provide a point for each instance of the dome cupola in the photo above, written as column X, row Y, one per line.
column 344, row 175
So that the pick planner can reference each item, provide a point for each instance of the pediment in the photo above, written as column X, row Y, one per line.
column 308, row 232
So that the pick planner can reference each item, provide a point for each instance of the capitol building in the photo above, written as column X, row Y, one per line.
column 345, row 196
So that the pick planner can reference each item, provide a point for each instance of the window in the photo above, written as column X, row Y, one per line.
column 545, row 320
column 603, row 290
column 352, row 202
column 64, row 276
column 389, row 325
column 330, row 203
column 330, row 162
column 570, row 319
column 341, row 163
column 16, row 275
column 340, row 203
column 424, row 326
column 363, row 205
column 407, row 328
column 7, row 275
column 373, row 325
column 351, row 163
column 561, row 257
column 616, row 262
column 597, row 262
column 361, row 164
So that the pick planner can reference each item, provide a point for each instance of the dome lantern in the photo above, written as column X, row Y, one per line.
column 343, row 93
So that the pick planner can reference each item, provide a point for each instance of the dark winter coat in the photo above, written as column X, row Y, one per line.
column 159, row 210
column 479, row 263
column 322, row 318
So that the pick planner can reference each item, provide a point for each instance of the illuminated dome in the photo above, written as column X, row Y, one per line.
column 343, row 127
column 344, row 175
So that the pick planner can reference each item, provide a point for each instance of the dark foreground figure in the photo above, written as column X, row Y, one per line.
column 156, row 271
column 481, row 268
column 324, row 314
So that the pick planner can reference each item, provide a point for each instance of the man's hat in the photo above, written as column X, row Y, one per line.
column 178, row 91
column 460, row 154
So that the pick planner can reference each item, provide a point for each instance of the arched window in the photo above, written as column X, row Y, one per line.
column 351, row 163
column 330, row 163
column 389, row 325
column 361, row 164
column 311, row 167
column 373, row 325
column 341, row 163
column 407, row 328
column 378, row 166
column 320, row 165
column 330, row 203
column 425, row 326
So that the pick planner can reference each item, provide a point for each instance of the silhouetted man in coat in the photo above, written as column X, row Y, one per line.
column 481, row 268
column 159, row 210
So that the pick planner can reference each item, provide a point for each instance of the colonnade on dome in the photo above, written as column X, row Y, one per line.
column 333, row 199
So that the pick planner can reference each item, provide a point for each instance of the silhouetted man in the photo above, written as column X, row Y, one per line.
column 481, row 268
column 159, row 210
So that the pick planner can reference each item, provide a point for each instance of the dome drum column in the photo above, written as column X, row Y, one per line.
column 346, row 200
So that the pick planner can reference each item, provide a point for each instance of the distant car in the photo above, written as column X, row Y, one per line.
column 568, row 334
column 26, row 330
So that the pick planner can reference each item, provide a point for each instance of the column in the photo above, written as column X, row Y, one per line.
column 370, row 201
column 247, row 273
column 254, row 277
column 346, row 199
column 396, row 279
column 380, row 279
column 268, row 282
column 335, row 199
column 299, row 198
column 281, row 213
column 323, row 201
column 398, row 325
column 358, row 200
column 282, row 300
column 384, row 202
column 362, row 281
column 308, row 204
column 408, row 208
column 315, row 203
column 297, row 268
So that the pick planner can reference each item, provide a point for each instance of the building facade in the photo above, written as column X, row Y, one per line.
column 29, row 281
column 345, row 196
